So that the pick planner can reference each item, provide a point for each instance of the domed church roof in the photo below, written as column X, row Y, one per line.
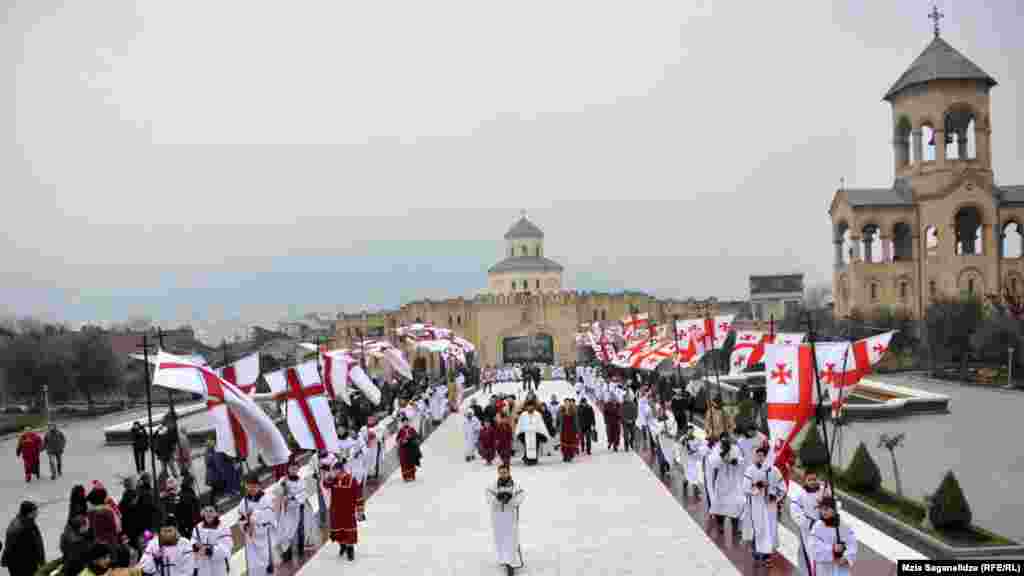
column 524, row 229
column 939, row 61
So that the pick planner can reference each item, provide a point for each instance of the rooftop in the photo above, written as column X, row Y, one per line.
column 524, row 229
column 526, row 264
column 939, row 61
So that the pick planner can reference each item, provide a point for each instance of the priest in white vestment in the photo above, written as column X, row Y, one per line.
column 691, row 453
column 438, row 404
column 726, row 471
column 532, row 432
column 505, row 497
column 764, row 489
column 471, row 434
column 833, row 542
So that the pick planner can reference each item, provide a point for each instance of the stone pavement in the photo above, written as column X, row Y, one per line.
column 978, row 440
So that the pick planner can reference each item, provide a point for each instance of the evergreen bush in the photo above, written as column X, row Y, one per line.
column 745, row 416
column 863, row 474
column 947, row 507
column 813, row 455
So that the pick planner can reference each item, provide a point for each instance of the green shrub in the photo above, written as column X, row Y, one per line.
column 813, row 453
column 745, row 416
column 948, row 507
column 863, row 474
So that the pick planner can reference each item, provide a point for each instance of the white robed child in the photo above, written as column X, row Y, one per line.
column 297, row 526
column 532, row 432
column 690, row 453
column 438, row 404
column 258, row 522
column 504, row 498
column 211, row 544
column 803, row 509
column 833, row 542
column 765, row 491
column 371, row 437
column 471, row 433
column 726, row 473
column 664, row 430
column 168, row 554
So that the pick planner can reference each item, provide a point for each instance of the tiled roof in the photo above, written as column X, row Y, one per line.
column 878, row 197
column 524, row 229
column 1010, row 194
column 526, row 264
column 939, row 61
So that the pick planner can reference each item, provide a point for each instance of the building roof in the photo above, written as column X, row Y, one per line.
column 526, row 264
column 900, row 194
column 524, row 229
column 939, row 61
column 1010, row 194
column 777, row 283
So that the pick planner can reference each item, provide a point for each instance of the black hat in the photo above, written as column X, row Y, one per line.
column 97, row 551
column 27, row 507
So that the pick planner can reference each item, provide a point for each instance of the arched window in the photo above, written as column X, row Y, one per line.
column 458, row 320
column 928, row 137
column 604, row 314
column 970, row 286
column 959, row 126
column 513, row 285
column 931, row 239
column 968, row 231
column 872, row 239
column 537, row 251
column 524, row 250
column 902, row 142
column 1013, row 243
column 933, row 289
column 595, row 315
column 874, row 291
column 538, row 284
column 902, row 243
column 903, row 289
column 1013, row 285
column 450, row 320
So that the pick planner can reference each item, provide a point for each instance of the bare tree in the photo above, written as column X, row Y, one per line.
column 891, row 443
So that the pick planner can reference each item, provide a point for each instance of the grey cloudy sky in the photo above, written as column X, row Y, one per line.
column 192, row 159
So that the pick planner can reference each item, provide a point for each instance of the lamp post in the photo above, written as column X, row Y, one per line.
column 1009, row 370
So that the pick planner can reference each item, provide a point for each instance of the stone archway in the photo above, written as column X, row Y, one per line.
column 531, row 342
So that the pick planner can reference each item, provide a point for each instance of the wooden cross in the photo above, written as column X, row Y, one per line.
column 935, row 16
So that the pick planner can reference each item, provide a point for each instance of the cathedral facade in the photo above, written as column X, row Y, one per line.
column 944, row 227
column 523, row 313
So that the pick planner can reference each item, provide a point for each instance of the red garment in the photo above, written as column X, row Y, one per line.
column 499, row 405
column 487, row 443
column 568, row 440
column 503, row 441
column 613, row 422
column 406, row 456
column 29, row 446
column 345, row 504
column 104, row 524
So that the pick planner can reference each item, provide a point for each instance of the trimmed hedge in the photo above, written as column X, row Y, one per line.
column 813, row 452
column 863, row 474
column 745, row 416
column 947, row 507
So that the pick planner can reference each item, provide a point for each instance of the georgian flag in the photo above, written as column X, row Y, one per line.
column 178, row 374
column 308, row 412
column 841, row 365
column 228, row 430
column 635, row 327
column 747, row 343
column 716, row 330
column 789, row 387
column 657, row 354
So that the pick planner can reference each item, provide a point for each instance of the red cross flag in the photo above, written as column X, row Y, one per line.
column 789, row 386
column 657, row 354
column 789, row 338
column 716, row 330
column 635, row 327
column 842, row 365
column 177, row 374
column 308, row 413
column 355, row 376
column 230, row 435
column 747, row 343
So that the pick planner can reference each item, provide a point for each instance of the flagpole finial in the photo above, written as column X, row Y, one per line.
column 935, row 16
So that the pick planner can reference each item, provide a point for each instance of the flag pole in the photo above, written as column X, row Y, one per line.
column 170, row 394
column 149, row 409
column 811, row 336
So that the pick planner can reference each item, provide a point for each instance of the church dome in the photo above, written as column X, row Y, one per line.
column 939, row 61
column 526, row 264
column 524, row 229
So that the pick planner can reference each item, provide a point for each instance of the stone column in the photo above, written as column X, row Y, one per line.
column 940, row 147
column 855, row 248
column 839, row 253
column 918, row 154
column 961, row 145
column 886, row 249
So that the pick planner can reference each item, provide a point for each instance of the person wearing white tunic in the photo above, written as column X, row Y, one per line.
column 258, row 522
column 471, row 434
column 296, row 523
column 168, row 554
column 692, row 451
column 438, row 402
column 664, row 431
column 370, row 437
column 835, row 549
column 211, row 543
column 764, row 489
column 803, row 509
column 644, row 418
column 726, row 471
column 748, row 441
column 532, row 432
column 505, row 497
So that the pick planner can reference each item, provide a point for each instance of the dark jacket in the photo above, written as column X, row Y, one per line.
column 73, row 547
column 585, row 415
column 23, row 547
column 629, row 411
column 489, row 413
column 680, row 404
column 140, row 440
column 54, row 442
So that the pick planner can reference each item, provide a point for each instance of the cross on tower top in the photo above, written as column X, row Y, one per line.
column 935, row 16
column 522, row 213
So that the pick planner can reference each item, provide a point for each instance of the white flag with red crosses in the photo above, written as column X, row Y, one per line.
column 746, row 344
column 789, row 390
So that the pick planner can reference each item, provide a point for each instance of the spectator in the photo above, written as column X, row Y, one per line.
column 132, row 524
column 24, row 552
column 76, row 503
column 146, row 511
column 75, row 543
column 187, row 509
column 54, row 442
column 105, row 524
column 140, row 444
column 28, row 448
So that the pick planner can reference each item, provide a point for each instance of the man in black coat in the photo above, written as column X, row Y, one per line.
column 680, row 405
column 23, row 547
column 587, row 421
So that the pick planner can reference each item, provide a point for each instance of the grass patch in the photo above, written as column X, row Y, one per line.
column 10, row 423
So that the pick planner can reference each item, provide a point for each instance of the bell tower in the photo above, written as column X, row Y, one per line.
column 941, row 115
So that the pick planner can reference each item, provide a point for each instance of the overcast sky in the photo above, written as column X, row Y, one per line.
column 204, row 160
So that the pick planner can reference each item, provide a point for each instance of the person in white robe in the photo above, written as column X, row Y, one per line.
column 471, row 434
column 211, row 544
column 644, row 418
column 748, row 440
column 833, row 542
column 664, row 431
column 258, row 522
column 168, row 554
column 504, row 498
column 422, row 415
column 692, row 451
column 803, row 510
column 296, row 524
column 726, row 470
column 532, row 432
column 371, row 437
column 438, row 404
column 765, row 490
